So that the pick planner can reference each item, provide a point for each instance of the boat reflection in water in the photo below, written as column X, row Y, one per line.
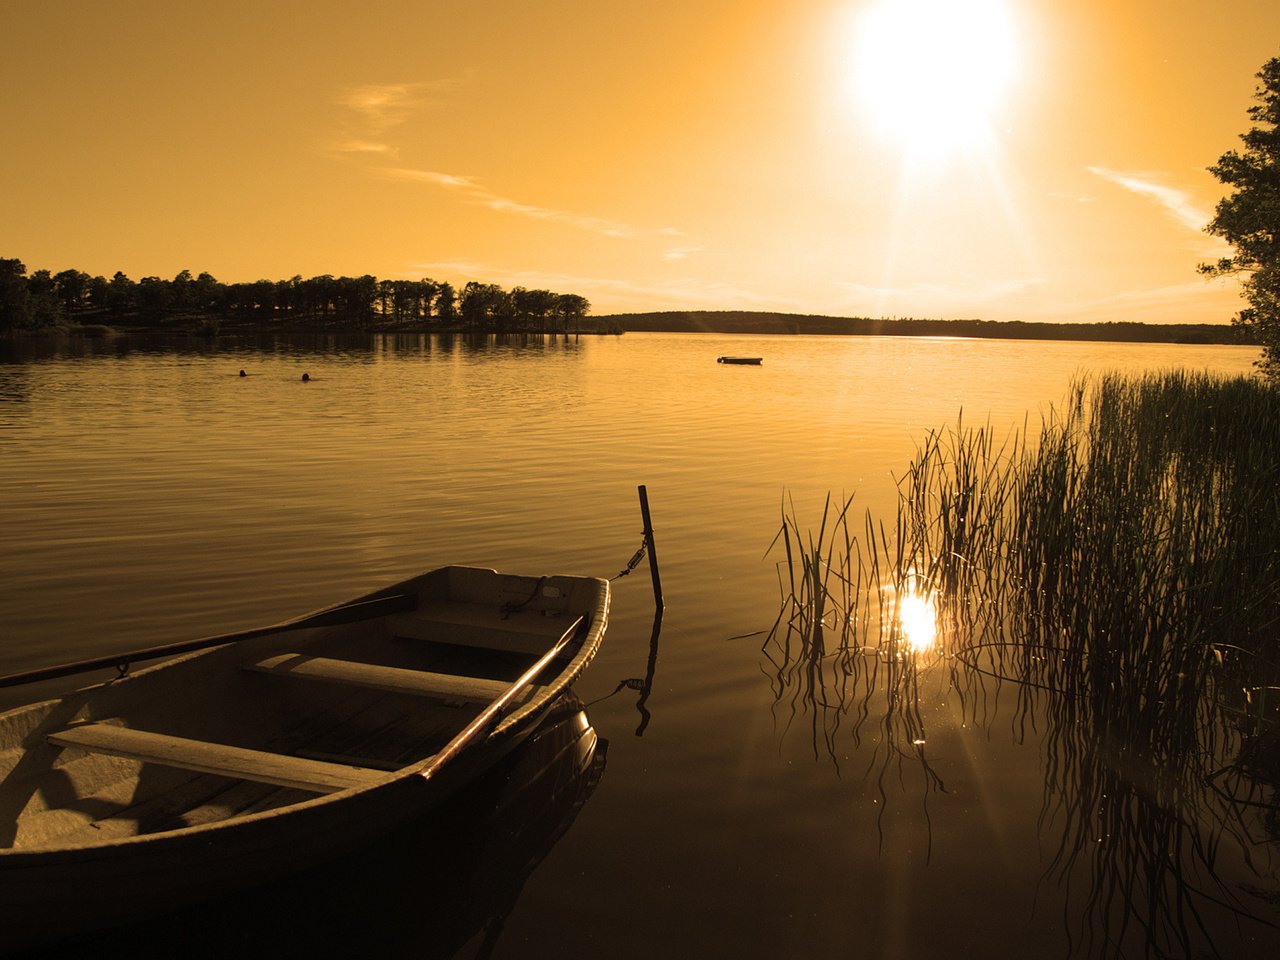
column 425, row 891
column 1161, row 805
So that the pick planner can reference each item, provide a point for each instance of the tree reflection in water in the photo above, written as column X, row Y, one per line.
column 1121, row 578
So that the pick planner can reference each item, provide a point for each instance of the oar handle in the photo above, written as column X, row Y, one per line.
column 365, row 609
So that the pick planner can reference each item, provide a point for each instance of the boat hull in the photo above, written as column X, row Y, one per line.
column 64, row 887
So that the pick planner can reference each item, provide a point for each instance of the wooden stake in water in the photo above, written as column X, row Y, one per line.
column 653, row 550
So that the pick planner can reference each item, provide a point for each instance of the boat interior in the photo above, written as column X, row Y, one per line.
column 282, row 718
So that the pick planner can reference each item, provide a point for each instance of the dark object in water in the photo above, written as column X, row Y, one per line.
column 753, row 361
column 306, row 377
column 292, row 745
column 243, row 374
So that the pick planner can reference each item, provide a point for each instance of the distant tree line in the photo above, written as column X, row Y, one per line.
column 48, row 300
column 731, row 321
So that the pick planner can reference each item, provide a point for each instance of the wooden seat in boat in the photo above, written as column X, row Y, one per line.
column 442, row 686
column 219, row 759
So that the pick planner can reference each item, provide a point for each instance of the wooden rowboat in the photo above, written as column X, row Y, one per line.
column 271, row 751
column 753, row 361
column 425, row 890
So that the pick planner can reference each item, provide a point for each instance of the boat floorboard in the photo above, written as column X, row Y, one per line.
column 379, row 735
column 202, row 799
column 237, row 800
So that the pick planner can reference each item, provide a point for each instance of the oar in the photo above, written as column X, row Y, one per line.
column 490, row 713
column 365, row 609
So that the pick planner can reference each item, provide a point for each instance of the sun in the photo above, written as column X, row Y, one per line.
column 932, row 73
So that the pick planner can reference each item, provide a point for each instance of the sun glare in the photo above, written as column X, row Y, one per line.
column 919, row 620
column 931, row 73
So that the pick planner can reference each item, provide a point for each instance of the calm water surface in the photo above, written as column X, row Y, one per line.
column 150, row 493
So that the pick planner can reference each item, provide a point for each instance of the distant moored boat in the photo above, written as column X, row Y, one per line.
column 755, row 361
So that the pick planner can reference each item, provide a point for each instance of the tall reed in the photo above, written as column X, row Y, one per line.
column 1121, row 575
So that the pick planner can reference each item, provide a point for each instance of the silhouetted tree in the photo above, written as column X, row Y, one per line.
column 155, row 299
column 570, row 307
column 427, row 290
column 41, row 299
column 399, row 300
column 97, row 288
column 385, row 298
column 13, row 295
column 206, row 292
column 182, row 291
column 122, row 295
column 502, row 309
column 354, row 298
column 260, row 298
column 446, row 303
column 43, row 306
column 1249, row 219
column 479, row 304
column 73, row 291
column 530, row 307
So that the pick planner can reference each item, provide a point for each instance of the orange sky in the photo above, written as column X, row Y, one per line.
column 705, row 154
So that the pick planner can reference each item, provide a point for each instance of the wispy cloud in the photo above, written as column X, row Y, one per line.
column 448, row 180
column 375, row 109
column 1175, row 202
column 384, row 105
column 366, row 146
column 475, row 192
column 682, row 253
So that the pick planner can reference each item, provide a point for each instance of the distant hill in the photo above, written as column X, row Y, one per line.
column 737, row 321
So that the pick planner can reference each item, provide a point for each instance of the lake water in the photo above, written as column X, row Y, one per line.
column 149, row 493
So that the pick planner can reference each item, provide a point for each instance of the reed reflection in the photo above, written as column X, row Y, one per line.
column 852, row 644
column 1120, row 577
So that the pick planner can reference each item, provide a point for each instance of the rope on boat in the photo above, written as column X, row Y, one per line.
column 510, row 608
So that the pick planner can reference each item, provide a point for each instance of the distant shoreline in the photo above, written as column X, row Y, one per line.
column 773, row 324
column 210, row 326
column 725, row 322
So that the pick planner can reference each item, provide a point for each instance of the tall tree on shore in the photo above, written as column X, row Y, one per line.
column 1249, row 219
column 43, row 306
column 182, row 291
column 13, row 295
column 446, row 303
column 570, row 308
column 482, row 305
column 122, row 295
column 73, row 291
column 97, row 288
column 154, row 298
column 206, row 291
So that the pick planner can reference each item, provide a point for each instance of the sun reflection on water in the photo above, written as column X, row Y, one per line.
column 918, row 617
